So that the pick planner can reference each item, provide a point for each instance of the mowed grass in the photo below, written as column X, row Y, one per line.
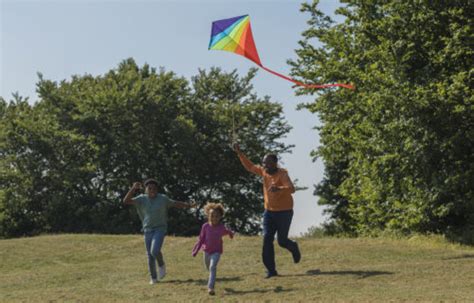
column 107, row 268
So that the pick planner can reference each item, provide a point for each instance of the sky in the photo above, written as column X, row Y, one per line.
column 63, row 38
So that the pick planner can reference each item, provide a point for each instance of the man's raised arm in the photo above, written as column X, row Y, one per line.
column 246, row 163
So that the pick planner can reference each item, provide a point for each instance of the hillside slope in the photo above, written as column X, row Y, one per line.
column 103, row 268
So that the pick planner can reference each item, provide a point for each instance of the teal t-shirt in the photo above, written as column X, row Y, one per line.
column 153, row 212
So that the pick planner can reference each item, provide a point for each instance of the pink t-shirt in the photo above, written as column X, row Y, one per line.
column 210, row 238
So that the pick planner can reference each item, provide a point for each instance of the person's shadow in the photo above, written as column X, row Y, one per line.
column 202, row 281
column 277, row 289
column 360, row 273
column 464, row 256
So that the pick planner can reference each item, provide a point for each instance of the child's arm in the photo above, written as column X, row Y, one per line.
column 179, row 204
column 200, row 242
column 128, row 199
column 229, row 232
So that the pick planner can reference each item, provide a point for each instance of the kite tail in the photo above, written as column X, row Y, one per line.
column 308, row 85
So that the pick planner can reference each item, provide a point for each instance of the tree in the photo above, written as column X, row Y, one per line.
column 217, row 98
column 89, row 138
column 398, row 150
column 38, row 168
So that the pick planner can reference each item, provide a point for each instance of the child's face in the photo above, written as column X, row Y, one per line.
column 214, row 217
column 151, row 190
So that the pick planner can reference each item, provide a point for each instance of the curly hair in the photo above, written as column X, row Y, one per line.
column 214, row 206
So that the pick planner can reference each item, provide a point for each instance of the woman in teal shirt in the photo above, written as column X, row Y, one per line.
column 152, row 208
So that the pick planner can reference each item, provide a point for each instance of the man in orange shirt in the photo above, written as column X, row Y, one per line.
column 278, row 203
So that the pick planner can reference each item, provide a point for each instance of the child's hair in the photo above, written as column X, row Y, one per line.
column 214, row 206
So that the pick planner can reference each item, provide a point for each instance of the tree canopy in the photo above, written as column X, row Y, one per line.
column 68, row 159
column 398, row 151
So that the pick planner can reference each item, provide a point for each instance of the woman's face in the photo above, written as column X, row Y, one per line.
column 214, row 217
column 151, row 190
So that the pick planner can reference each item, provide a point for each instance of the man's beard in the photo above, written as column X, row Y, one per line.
column 271, row 170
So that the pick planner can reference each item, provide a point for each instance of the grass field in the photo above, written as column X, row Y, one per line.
column 105, row 268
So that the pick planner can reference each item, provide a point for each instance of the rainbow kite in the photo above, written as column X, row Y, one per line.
column 235, row 35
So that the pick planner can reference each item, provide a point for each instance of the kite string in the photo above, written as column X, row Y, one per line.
column 234, row 139
column 307, row 85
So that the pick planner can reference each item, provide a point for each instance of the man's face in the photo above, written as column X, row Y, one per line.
column 152, row 190
column 269, row 164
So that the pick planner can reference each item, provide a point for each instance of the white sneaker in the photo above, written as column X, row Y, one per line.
column 162, row 271
column 153, row 281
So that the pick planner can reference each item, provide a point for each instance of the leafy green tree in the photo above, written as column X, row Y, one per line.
column 398, row 149
column 38, row 171
column 221, row 102
column 85, row 141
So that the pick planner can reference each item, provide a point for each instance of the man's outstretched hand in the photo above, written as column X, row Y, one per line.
column 273, row 188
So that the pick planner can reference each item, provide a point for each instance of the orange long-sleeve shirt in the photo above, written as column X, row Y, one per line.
column 274, row 201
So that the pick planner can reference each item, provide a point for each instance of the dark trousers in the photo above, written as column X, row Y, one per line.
column 276, row 222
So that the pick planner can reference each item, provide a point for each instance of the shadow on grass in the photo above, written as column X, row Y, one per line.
column 278, row 289
column 360, row 273
column 465, row 256
column 202, row 281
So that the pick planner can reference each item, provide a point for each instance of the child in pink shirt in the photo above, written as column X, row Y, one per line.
column 210, row 240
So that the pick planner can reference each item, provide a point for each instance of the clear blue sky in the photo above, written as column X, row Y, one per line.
column 65, row 38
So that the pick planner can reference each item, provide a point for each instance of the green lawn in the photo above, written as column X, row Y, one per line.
column 104, row 268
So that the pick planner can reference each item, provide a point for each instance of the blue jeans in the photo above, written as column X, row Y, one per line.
column 276, row 222
column 153, row 242
column 211, row 260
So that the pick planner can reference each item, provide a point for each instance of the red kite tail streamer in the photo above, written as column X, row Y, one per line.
column 308, row 85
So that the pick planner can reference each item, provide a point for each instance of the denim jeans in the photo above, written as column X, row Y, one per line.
column 153, row 242
column 211, row 260
column 276, row 222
